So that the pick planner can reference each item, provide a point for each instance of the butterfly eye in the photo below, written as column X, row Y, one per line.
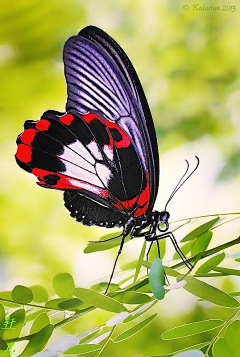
column 163, row 221
column 163, row 226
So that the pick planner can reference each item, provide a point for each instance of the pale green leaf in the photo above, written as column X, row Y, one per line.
column 63, row 285
column 214, row 261
column 209, row 293
column 227, row 271
column 97, row 300
column 199, row 230
column 130, row 332
column 100, row 245
column 40, row 322
column 154, row 250
column 22, row 294
column 190, row 329
column 40, row 294
column 201, row 243
column 185, row 248
column 82, row 349
column 2, row 315
column 138, row 267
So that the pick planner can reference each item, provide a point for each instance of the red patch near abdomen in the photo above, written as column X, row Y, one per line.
column 125, row 141
column 24, row 153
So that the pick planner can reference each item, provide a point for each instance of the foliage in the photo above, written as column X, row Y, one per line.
column 188, row 62
column 129, row 303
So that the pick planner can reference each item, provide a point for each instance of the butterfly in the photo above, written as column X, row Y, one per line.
column 102, row 152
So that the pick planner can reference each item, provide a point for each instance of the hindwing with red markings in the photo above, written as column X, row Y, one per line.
column 103, row 151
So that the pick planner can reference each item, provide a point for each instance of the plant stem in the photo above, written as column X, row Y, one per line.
column 106, row 342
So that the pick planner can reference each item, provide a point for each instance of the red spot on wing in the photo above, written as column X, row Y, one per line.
column 125, row 141
column 24, row 153
column 143, row 200
column 91, row 116
column 66, row 119
column 65, row 182
column 28, row 136
column 42, row 125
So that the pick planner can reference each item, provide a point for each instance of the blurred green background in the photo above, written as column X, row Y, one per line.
column 188, row 63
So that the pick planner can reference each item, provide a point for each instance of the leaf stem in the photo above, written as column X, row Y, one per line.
column 106, row 342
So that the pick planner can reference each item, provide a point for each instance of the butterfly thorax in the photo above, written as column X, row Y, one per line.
column 147, row 226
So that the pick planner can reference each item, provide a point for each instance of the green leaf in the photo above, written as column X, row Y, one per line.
column 40, row 322
column 63, row 285
column 71, row 304
column 130, row 297
column 145, row 263
column 201, row 243
column 40, row 294
column 214, row 261
column 170, row 271
column 209, row 293
column 96, row 247
column 22, row 294
column 8, row 296
column 35, row 314
column 157, row 279
column 38, row 341
column 190, row 329
column 129, row 266
column 185, row 248
column 138, row 267
column 130, row 332
column 229, row 345
column 97, row 300
column 199, row 230
column 227, row 271
column 83, row 349
column 154, row 250
column 17, row 318
column 138, row 311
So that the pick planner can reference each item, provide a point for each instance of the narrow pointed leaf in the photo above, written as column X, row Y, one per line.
column 154, row 250
column 138, row 267
column 214, row 261
column 130, row 332
column 2, row 315
column 193, row 328
column 198, row 346
column 99, row 245
column 22, row 294
column 209, row 293
column 185, row 248
column 17, row 318
column 38, row 341
column 201, row 243
column 63, row 285
column 71, row 304
column 97, row 300
column 199, row 230
column 157, row 279
column 82, row 349
column 227, row 271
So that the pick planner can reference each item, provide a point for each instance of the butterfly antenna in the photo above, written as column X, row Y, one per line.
column 183, row 180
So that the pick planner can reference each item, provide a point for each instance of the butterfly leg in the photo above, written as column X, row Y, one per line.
column 105, row 240
column 115, row 263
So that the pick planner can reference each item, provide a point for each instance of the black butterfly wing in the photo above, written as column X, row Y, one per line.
column 103, row 151
column 100, row 77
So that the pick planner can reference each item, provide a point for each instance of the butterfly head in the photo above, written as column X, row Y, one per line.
column 163, row 218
